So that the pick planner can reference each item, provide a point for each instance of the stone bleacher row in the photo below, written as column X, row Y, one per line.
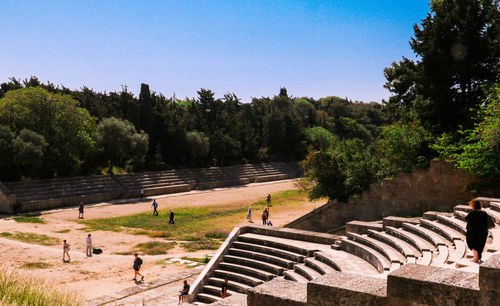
column 375, row 249
column 51, row 193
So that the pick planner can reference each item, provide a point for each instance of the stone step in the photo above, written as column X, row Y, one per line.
column 381, row 247
column 213, row 290
column 268, row 250
column 257, row 264
column 232, row 285
column 426, row 234
column 419, row 243
column 306, row 271
column 207, row 298
column 257, row 273
column 495, row 206
column 318, row 266
column 459, row 252
column 460, row 214
column 294, row 276
column 442, row 256
column 379, row 261
column 442, row 229
column 464, row 208
column 425, row 259
column 273, row 242
column 262, row 257
column 402, row 246
column 454, row 223
column 494, row 214
column 237, row 277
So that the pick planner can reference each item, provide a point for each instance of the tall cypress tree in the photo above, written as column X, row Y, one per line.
column 146, row 109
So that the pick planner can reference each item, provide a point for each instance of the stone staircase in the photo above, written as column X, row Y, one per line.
column 38, row 195
column 254, row 255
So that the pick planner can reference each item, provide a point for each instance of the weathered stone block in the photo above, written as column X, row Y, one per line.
column 339, row 288
column 362, row 227
column 426, row 285
column 278, row 292
column 398, row 221
column 489, row 274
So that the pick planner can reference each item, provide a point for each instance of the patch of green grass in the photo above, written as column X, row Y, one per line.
column 124, row 253
column 67, row 230
column 36, row 265
column 26, row 219
column 201, row 244
column 191, row 221
column 203, row 260
column 31, row 238
column 154, row 247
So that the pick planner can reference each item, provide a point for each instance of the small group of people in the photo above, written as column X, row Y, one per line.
column 478, row 223
column 66, row 248
column 265, row 217
column 185, row 290
column 155, row 212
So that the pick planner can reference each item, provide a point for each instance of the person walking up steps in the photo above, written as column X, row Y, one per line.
column 171, row 219
column 155, row 208
column 66, row 251
column 80, row 211
column 137, row 267
column 89, row 246
column 477, row 229
column 223, row 291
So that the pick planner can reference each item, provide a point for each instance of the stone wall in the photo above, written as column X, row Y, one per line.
column 438, row 188
column 410, row 285
column 7, row 200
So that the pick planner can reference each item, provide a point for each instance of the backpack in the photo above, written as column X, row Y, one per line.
column 96, row 251
column 490, row 223
column 139, row 261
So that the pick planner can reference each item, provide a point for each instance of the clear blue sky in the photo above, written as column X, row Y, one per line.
column 251, row 48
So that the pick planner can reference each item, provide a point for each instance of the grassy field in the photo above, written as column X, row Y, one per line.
column 31, row 238
column 23, row 219
column 193, row 223
column 20, row 289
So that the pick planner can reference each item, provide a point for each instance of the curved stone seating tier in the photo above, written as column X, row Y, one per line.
column 495, row 214
column 58, row 192
column 263, row 254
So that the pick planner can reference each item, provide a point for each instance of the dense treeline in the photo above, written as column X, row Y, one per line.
column 445, row 104
column 50, row 130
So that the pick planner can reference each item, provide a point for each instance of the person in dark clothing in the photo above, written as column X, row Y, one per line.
column 171, row 219
column 183, row 292
column 142, row 193
column 223, row 291
column 80, row 211
column 137, row 267
column 264, row 217
column 477, row 229
column 155, row 207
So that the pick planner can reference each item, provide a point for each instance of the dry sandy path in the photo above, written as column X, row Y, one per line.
column 108, row 273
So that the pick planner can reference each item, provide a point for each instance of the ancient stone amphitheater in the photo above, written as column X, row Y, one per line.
column 396, row 261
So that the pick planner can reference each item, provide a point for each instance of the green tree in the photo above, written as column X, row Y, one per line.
column 28, row 150
column 7, row 170
column 198, row 147
column 319, row 138
column 457, row 47
column 68, row 129
column 477, row 150
column 146, row 109
column 121, row 144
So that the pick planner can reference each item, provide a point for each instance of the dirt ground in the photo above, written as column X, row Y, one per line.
column 108, row 272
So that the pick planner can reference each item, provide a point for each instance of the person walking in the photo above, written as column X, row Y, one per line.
column 137, row 267
column 183, row 292
column 142, row 193
column 80, row 211
column 171, row 219
column 249, row 215
column 155, row 208
column 478, row 222
column 89, row 246
column 268, row 200
column 264, row 217
column 66, row 251
column 223, row 291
